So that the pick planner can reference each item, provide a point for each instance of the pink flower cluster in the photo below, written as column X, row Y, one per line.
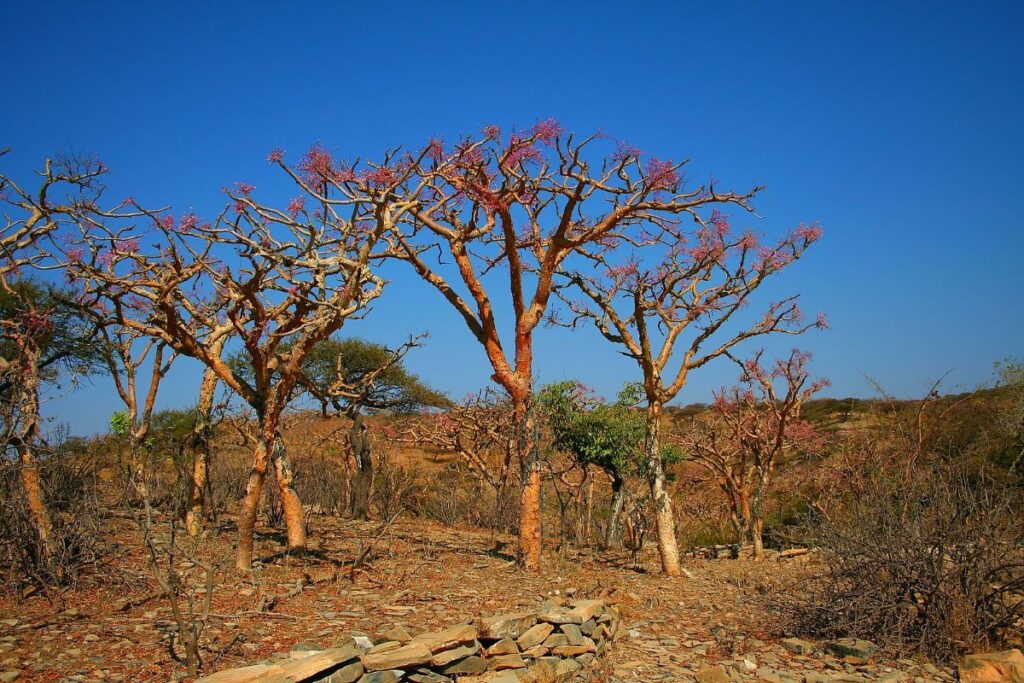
column 547, row 131
column 625, row 151
column 661, row 174
column 808, row 233
column 276, row 155
column 296, row 206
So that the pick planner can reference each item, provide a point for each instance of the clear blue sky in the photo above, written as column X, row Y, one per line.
column 898, row 126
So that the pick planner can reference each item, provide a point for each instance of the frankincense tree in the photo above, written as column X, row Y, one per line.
column 274, row 282
column 668, row 304
column 508, row 211
column 747, row 430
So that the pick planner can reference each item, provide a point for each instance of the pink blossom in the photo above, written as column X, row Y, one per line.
column 720, row 222
column 547, row 130
column 244, row 189
column 275, row 155
column 808, row 233
column 188, row 221
column 296, row 206
column 821, row 322
column 75, row 255
column 166, row 222
column 625, row 151
column 748, row 241
column 317, row 164
column 521, row 151
column 106, row 258
column 492, row 133
column 380, row 176
column 661, row 175
column 129, row 246
column 435, row 149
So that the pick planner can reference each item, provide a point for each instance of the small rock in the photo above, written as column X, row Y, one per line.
column 713, row 674
column 992, row 667
column 398, row 633
column 855, row 647
column 797, row 646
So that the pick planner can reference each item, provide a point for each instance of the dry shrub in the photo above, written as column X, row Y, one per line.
column 70, row 484
column 457, row 497
column 933, row 563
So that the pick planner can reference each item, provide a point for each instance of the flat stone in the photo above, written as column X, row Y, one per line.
column 382, row 677
column 797, row 646
column 556, row 640
column 535, row 635
column 843, row 647
column 349, row 673
column 469, row 665
column 448, row 638
column 8, row 676
column 505, row 646
column 502, row 662
column 427, row 676
column 398, row 633
column 572, row 650
column 573, row 633
column 407, row 655
column 713, row 674
column 384, row 647
column 506, row 625
column 991, row 667
column 446, row 657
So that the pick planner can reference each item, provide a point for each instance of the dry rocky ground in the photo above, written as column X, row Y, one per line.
column 713, row 626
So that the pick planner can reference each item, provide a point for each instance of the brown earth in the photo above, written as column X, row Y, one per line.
column 423, row 576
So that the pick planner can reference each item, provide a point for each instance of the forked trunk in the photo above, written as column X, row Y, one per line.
column 530, row 500
column 664, row 519
column 618, row 496
column 267, row 450
column 362, row 481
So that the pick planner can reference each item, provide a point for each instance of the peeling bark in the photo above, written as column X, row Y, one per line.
column 668, row 550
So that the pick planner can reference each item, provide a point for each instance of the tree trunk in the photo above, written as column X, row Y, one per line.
column 530, row 500
column 362, row 481
column 267, row 450
column 294, row 517
column 618, row 496
column 757, row 516
column 757, row 536
column 588, row 509
column 35, row 498
column 201, row 448
column 28, row 415
column 665, row 520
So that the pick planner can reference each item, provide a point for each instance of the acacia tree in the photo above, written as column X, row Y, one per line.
column 517, row 207
column 273, row 281
column 746, row 431
column 671, row 317
column 38, row 335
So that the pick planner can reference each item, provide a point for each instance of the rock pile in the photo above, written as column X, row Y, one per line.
column 558, row 642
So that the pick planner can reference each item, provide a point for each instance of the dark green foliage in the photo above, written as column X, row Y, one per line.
column 66, row 340
column 353, row 361
column 592, row 431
